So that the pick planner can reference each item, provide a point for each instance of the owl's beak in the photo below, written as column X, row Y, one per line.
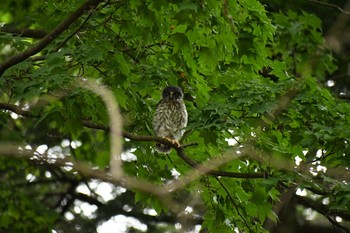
column 171, row 94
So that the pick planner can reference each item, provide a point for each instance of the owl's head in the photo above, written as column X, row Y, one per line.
column 172, row 92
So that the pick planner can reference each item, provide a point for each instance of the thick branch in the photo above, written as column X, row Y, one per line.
column 287, row 194
column 323, row 209
column 49, row 37
column 115, row 207
column 16, row 109
column 32, row 33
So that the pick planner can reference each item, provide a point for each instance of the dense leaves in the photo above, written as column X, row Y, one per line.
column 250, row 77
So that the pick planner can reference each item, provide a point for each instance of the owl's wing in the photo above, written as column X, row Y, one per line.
column 158, row 119
column 179, row 130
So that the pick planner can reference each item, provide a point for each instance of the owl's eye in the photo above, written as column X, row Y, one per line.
column 177, row 95
column 172, row 93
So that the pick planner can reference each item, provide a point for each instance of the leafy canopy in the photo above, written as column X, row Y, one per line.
column 248, row 75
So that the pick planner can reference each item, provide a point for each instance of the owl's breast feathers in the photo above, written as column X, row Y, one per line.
column 170, row 119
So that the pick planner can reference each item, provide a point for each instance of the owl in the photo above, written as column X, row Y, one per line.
column 170, row 117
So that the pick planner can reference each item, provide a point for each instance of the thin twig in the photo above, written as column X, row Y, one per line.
column 331, row 5
column 190, row 144
column 74, row 32
column 233, row 202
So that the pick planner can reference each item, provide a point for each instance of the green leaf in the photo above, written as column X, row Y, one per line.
column 182, row 28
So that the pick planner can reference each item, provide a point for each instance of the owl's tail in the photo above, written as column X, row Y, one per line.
column 161, row 148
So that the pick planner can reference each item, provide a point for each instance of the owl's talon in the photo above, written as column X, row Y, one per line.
column 173, row 141
column 178, row 145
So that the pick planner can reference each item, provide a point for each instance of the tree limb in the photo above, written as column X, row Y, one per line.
column 287, row 194
column 115, row 124
column 16, row 109
column 32, row 33
column 195, row 165
column 234, row 203
column 17, row 58
column 180, row 150
column 322, row 209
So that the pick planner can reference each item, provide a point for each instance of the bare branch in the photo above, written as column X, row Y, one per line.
column 115, row 120
column 49, row 37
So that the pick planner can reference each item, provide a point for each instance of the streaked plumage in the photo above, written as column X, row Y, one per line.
column 170, row 117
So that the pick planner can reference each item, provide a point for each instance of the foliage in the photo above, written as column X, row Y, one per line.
column 248, row 74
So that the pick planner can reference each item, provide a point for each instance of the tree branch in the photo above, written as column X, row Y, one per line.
column 322, row 209
column 115, row 124
column 234, row 203
column 16, row 109
column 115, row 207
column 287, row 194
column 32, row 33
column 49, row 37
column 147, row 138
column 325, row 211
column 331, row 5
column 75, row 32
column 181, row 153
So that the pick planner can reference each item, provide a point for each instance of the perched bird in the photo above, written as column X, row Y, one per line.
column 170, row 117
